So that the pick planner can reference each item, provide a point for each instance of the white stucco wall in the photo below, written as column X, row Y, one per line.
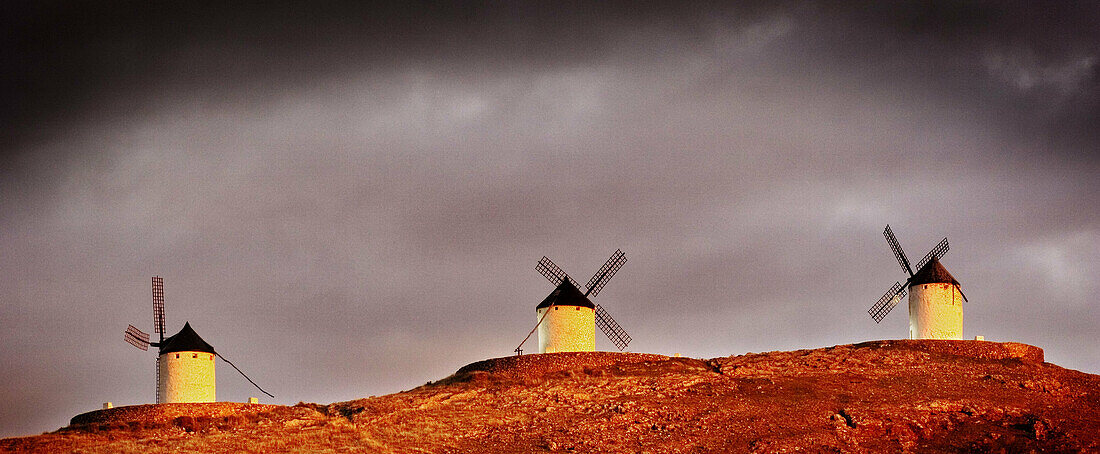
column 935, row 312
column 567, row 329
column 187, row 377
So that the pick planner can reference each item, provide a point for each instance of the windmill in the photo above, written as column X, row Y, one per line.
column 567, row 318
column 935, row 297
column 185, row 362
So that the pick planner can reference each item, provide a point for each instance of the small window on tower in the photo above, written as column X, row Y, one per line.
column 194, row 355
column 177, row 356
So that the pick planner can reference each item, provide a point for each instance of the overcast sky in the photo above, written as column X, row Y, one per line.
column 350, row 201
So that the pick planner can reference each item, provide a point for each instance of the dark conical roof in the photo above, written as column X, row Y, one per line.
column 187, row 340
column 932, row 273
column 566, row 294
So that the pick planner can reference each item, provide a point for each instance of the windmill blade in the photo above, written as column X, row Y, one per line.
column 136, row 338
column 604, row 274
column 887, row 302
column 896, row 247
column 158, row 306
column 554, row 274
column 611, row 328
column 936, row 253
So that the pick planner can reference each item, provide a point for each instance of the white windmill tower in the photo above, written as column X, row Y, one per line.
column 185, row 362
column 935, row 297
column 567, row 318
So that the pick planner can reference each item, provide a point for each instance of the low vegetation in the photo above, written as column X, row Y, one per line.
column 889, row 396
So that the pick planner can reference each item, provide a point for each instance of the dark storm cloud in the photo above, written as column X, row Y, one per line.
column 62, row 59
column 1037, row 65
column 348, row 199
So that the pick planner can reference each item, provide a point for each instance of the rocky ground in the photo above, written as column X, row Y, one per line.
column 883, row 396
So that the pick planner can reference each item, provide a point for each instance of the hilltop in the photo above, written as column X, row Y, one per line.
column 881, row 396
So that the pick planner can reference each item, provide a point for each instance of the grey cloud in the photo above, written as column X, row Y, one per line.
column 347, row 208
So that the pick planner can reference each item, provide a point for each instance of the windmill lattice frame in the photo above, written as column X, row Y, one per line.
column 140, row 339
column 892, row 297
column 607, row 324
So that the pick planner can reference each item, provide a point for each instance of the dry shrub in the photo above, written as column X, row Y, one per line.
column 106, row 427
column 594, row 371
column 231, row 421
column 479, row 377
column 350, row 412
column 186, row 423
column 322, row 409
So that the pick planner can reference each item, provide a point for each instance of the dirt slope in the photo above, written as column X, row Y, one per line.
column 884, row 396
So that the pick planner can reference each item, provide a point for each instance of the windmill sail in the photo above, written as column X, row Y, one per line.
column 935, row 254
column 136, row 337
column 897, row 292
column 605, row 273
column 553, row 273
column 611, row 328
column 896, row 247
column 158, row 306
column 887, row 302
column 564, row 282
